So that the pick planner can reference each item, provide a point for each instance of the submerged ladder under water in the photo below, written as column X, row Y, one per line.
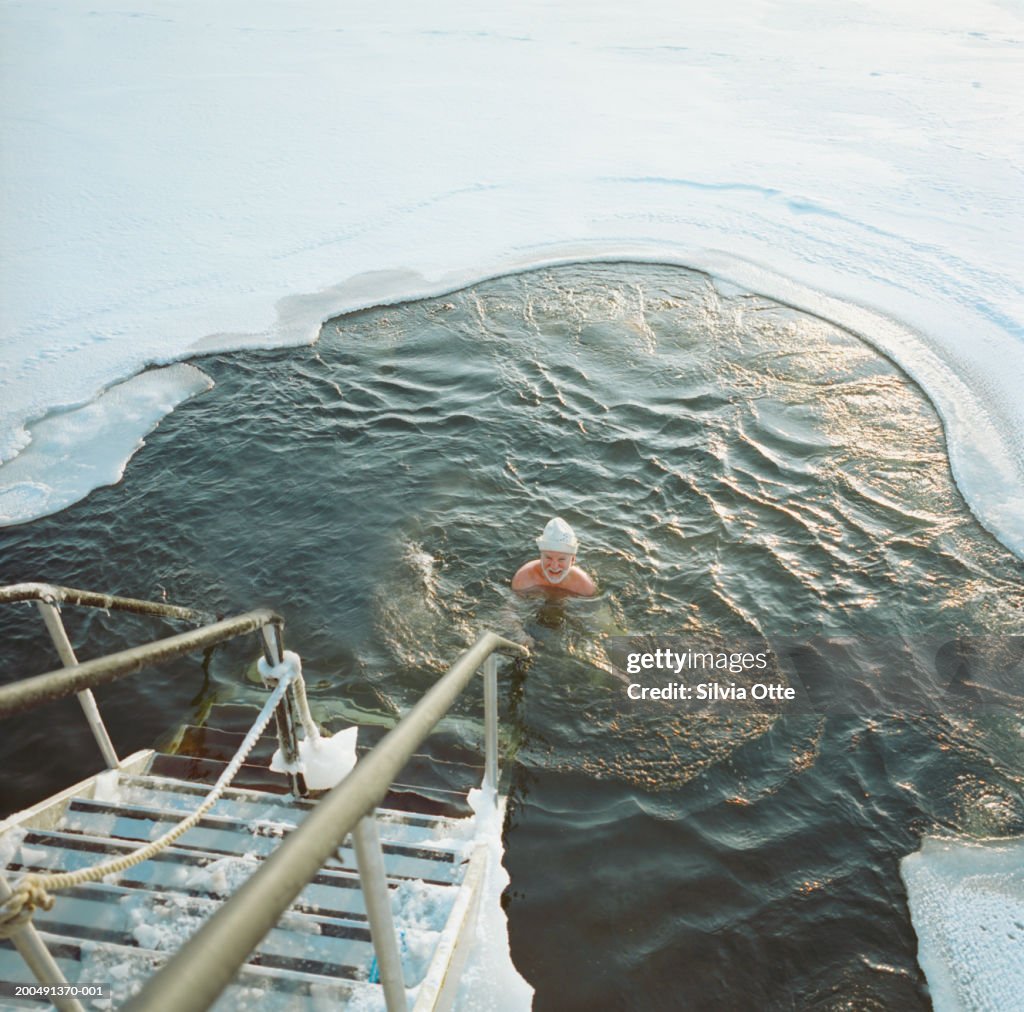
column 326, row 897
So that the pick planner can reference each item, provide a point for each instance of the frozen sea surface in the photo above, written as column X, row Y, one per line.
column 178, row 179
column 967, row 903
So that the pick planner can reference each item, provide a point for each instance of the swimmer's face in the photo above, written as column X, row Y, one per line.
column 556, row 565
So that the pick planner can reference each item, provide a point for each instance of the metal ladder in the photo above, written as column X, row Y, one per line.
column 314, row 887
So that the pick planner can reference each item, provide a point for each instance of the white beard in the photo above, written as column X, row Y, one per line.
column 555, row 579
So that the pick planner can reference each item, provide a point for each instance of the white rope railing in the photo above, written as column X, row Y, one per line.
column 34, row 889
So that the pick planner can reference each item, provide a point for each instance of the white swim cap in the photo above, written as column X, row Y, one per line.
column 558, row 536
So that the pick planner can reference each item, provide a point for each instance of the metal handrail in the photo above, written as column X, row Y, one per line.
column 31, row 692
column 90, row 599
column 48, row 597
column 76, row 678
column 197, row 974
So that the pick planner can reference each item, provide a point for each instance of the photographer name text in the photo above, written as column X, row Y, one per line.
column 706, row 664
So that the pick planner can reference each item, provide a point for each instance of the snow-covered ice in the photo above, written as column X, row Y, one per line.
column 178, row 178
column 107, row 787
column 72, row 452
column 967, row 904
column 490, row 981
column 323, row 761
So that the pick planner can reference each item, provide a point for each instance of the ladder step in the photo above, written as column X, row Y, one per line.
column 124, row 968
column 259, row 808
column 175, row 892
column 225, row 837
column 163, row 921
column 333, row 893
column 426, row 785
column 228, row 725
column 206, row 771
column 215, row 743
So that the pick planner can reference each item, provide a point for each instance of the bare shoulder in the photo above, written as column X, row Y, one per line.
column 526, row 576
column 582, row 584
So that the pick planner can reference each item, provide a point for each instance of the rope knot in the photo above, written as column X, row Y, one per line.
column 27, row 895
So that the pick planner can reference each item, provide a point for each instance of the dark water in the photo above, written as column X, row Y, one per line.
column 732, row 468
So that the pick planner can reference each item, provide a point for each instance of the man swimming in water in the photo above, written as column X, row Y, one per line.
column 556, row 568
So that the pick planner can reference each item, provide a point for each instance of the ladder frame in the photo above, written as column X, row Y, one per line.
column 202, row 968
